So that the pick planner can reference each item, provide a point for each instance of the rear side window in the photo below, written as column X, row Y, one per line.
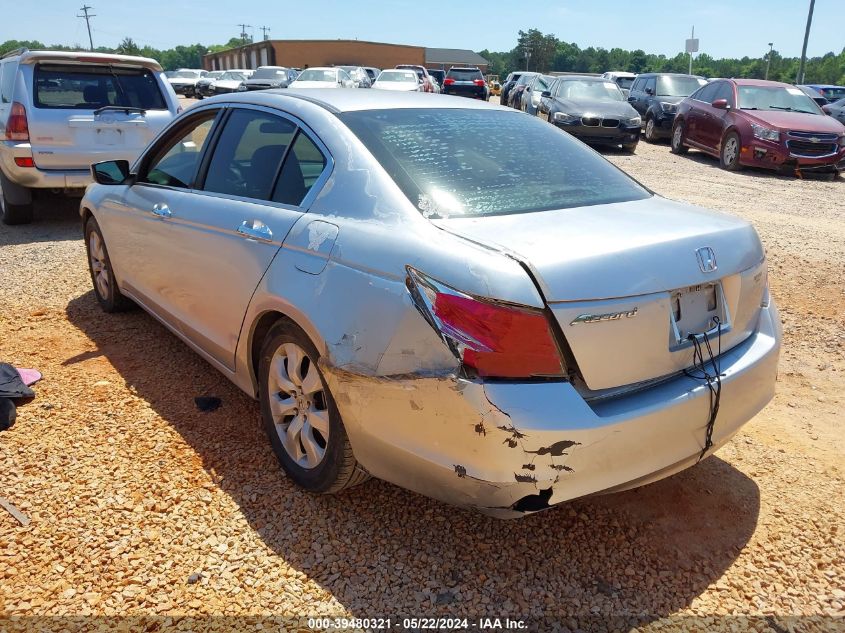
column 8, row 70
column 248, row 155
column 303, row 166
column 449, row 162
column 90, row 87
column 464, row 74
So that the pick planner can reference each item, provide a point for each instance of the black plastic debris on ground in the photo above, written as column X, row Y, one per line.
column 207, row 404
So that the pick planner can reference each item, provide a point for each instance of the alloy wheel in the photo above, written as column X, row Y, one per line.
column 99, row 264
column 649, row 130
column 298, row 405
column 730, row 151
column 677, row 136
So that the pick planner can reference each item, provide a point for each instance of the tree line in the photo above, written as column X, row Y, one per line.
column 545, row 53
column 538, row 51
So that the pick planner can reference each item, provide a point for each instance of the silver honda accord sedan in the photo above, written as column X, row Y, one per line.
column 503, row 329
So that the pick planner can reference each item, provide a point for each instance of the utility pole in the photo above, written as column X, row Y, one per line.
column 527, row 50
column 692, row 37
column 244, row 35
column 800, row 78
column 769, row 59
column 87, row 17
column 264, row 31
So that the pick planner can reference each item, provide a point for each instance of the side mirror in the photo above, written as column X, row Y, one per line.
column 546, row 93
column 649, row 91
column 721, row 104
column 111, row 172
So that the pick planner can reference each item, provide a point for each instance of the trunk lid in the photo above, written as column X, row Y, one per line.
column 627, row 284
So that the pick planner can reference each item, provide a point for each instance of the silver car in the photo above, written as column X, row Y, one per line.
column 505, row 333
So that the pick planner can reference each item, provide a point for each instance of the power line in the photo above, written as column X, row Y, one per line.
column 87, row 17
column 264, row 31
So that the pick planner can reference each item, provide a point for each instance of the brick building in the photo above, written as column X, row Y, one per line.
column 305, row 53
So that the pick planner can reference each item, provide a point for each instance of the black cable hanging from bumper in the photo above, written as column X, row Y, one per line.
column 701, row 370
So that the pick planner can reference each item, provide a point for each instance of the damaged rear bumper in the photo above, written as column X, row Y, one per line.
column 508, row 448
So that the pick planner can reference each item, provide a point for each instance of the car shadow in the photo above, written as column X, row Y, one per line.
column 647, row 552
column 55, row 219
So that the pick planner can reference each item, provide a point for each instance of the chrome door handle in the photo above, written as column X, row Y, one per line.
column 255, row 230
column 161, row 210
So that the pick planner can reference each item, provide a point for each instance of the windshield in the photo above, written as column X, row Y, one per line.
column 231, row 76
column 92, row 87
column 625, row 82
column 776, row 98
column 464, row 74
column 668, row 86
column 269, row 73
column 832, row 93
column 186, row 74
column 398, row 75
column 316, row 74
column 214, row 74
column 449, row 162
column 586, row 90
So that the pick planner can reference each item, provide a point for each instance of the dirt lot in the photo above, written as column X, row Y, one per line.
column 140, row 504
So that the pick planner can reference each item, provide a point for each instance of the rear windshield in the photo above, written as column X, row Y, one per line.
column 668, row 86
column 464, row 74
column 449, row 162
column 92, row 87
column 832, row 94
column 398, row 75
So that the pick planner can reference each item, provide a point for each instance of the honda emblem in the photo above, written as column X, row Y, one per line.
column 706, row 259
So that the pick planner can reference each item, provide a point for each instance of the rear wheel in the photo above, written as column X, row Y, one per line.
column 102, row 276
column 729, row 156
column 15, row 203
column 300, row 416
column 678, row 146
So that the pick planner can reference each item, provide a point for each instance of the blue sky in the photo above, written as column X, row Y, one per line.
column 726, row 28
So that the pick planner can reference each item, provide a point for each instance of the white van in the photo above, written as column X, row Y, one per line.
column 62, row 111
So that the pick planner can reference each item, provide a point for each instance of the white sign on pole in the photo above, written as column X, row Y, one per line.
column 692, row 45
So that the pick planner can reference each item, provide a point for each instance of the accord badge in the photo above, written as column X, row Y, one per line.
column 598, row 318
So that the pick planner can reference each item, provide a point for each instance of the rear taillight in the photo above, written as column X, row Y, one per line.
column 24, row 161
column 17, row 129
column 448, row 81
column 478, row 82
column 495, row 340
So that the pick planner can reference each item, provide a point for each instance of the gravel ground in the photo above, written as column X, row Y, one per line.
column 141, row 505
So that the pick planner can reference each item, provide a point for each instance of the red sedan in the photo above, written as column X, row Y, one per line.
column 755, row 123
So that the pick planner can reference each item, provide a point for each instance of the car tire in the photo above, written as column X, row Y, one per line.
column 631, row 148
column 317, row 456
column 650, row 130
column 15, row 203
column 102, row 274
column 730, row 151
column 677, row 143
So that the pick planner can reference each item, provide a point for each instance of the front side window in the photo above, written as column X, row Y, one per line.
column 706, row 94
column 248, row 155
column 724, row 90
column 175, row 164
column 449, row 162
column 91, row 87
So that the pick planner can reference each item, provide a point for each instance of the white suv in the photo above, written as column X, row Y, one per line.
column 62, row 111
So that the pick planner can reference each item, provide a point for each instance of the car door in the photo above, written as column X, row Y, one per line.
column 546, row 102
column 637, row 96
column 717, row 120
column 694, row 119
column 217, row 241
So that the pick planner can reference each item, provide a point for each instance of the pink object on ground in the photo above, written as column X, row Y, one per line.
column 29, row 376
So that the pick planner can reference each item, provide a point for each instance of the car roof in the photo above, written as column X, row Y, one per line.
column 31, row 57
column 322, row 68
column 760, row 82
column 351, row 100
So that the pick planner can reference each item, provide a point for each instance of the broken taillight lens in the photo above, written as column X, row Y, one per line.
column 496, row 340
